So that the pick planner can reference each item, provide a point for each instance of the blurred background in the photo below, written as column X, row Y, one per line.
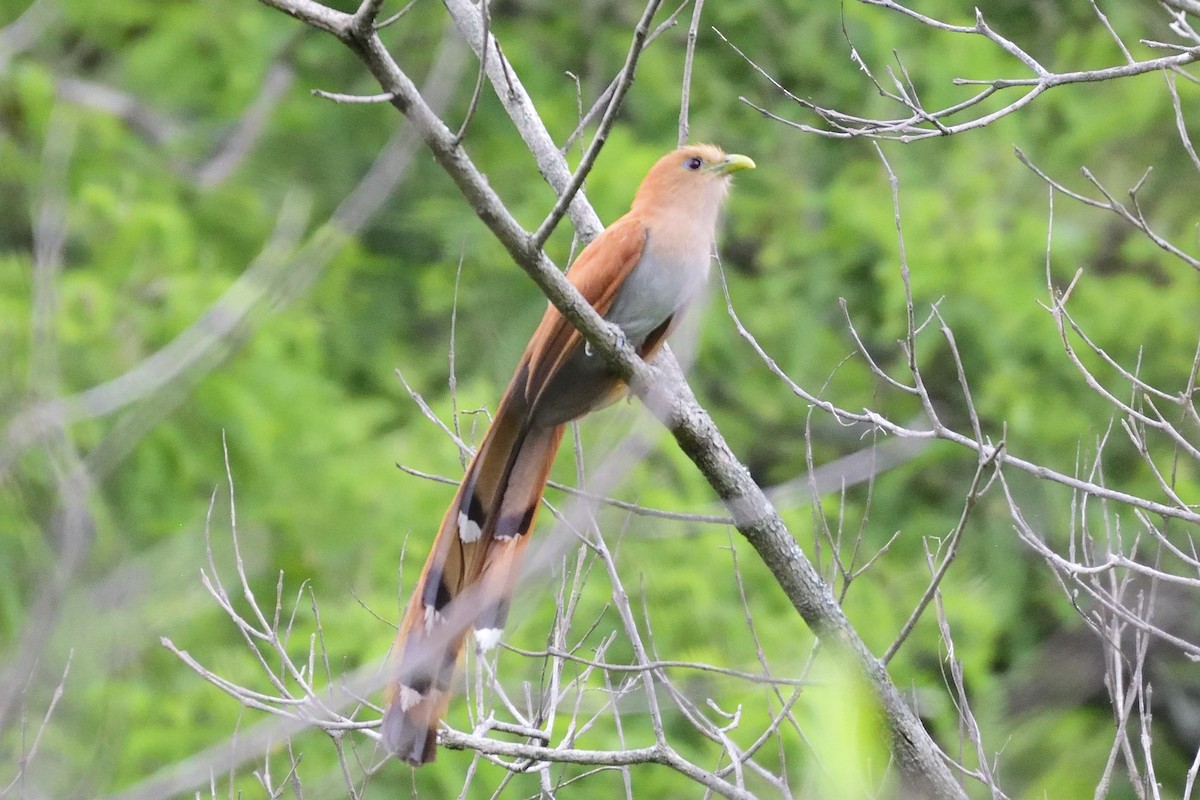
column 200, row 260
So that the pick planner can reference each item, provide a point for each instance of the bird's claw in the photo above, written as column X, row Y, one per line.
column 621, row 343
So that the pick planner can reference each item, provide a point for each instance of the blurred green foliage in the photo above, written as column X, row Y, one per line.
column 314, row 419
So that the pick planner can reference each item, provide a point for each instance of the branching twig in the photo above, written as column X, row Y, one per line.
column 922, row 123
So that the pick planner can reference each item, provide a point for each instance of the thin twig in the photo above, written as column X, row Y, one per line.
column 689, row 56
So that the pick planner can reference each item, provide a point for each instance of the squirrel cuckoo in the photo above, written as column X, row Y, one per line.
column 641, row 274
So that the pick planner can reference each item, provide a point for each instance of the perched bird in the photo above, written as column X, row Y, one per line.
column 641, row 274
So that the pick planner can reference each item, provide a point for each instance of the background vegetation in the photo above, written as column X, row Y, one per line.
column 174, row 295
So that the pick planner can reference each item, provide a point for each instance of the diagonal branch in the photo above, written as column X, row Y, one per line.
column 665, row 392
column 624, row 81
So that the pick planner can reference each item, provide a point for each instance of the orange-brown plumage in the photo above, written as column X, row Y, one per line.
column 641, row 273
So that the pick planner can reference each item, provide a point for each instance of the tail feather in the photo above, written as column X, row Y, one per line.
column 518, row 509
column 469, row 576
column 410, row 727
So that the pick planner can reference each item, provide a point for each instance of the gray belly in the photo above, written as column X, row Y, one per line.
column 652, row 293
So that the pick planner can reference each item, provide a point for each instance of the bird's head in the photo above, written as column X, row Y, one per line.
column 692, row 180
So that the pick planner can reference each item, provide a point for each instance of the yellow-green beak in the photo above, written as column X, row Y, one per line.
column 734, row 163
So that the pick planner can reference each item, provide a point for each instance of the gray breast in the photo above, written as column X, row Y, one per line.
column 656, row 289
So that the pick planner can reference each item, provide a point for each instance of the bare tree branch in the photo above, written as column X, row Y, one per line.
column 666, row 393
column 921, row 122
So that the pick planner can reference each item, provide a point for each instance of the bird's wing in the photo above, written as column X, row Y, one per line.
column 598, row 274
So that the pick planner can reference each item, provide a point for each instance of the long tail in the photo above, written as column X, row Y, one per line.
column 469, row 576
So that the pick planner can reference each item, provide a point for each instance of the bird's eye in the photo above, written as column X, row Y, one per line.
column 694, row 163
